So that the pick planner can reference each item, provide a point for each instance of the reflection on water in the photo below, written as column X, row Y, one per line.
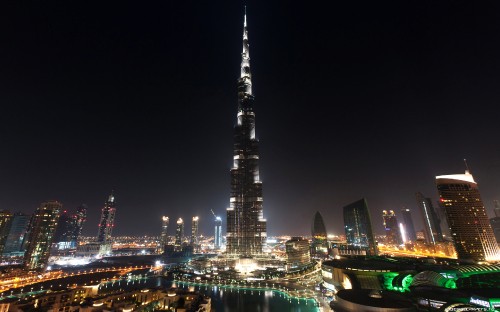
column 225, row 299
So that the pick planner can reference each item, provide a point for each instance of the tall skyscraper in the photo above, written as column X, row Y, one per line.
column 17, row 233
column 63, row 230
column 41, row 235
column 218, row 233
column 432, row 224
column 391, row 225
column 246, row 226
column 77, row 222
column 179, row 234
column 5, row 225
column 164, row 233
column 469, row 225
column 107, row 221
column 194, row 231
column 358, row 227
column 319, row 235
column 408, row 225
column 69, row 228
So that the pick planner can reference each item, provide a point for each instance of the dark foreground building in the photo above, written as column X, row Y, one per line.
column 358, row 227
column 246, row 226
column 107, row 221
column 430, row 219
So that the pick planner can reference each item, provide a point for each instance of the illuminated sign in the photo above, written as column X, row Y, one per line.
column 480, row 302
column 436, row 304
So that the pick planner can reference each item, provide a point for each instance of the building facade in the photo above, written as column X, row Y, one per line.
column 15, row 239
column 179, row 234
column 246, row 226
column 78, row 220
column 409, row 228
column 218, row 233
column 495, row 221
column 63, row 231
column 41, row 230
column 297, row 252
column 107, row 221
column 430, row 219
column 358, row 227
column 5, row 225
column 194, row 230
column 164, row 233
column 469, row 225
column 319, row 236
column 391, row 226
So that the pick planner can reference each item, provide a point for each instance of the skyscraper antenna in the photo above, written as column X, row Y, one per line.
column 467, row 171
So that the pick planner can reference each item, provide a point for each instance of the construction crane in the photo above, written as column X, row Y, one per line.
column 213, row 213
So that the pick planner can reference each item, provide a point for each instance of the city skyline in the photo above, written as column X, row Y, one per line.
column 124, row 102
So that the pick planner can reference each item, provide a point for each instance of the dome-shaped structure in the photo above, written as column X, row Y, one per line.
column 429, row 278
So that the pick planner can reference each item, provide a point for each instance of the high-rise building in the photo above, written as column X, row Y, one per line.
column 469, row 225
column 358, row 227
column 64, row 230
column 391, row 225
column 246, row 226
column 495, row 221
column 409, row 228
column 164, row 233
column 107, row 221
column 495, row 226
column 194, row 231
column 179, row 234
column 69, row 228
column 319, row 235
column 17, row 233
column 78, row 219
column 5, row 225
column 42, row 228
column 218, row 233
column 432, row 224
column 297, row 252
column 497, row 208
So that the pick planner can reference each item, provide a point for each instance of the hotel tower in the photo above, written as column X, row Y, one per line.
column 469, row 225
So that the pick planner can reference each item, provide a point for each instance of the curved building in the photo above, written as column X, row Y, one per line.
column 319, row 236
column 469, row 225
column 107, row 221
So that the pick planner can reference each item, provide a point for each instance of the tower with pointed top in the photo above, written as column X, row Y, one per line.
column 246, row 226
column 107, row 221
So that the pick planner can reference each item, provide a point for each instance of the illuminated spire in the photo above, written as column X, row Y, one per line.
column 111, row 197
column 245, row 82
column 467, row 171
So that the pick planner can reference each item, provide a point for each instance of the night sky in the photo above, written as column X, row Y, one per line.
column 363, row 99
